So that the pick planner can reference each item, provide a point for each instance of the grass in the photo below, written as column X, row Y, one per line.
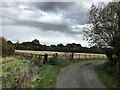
column 7, row 59
column 45, row 76
column 107, row 77
column 18, row 69
column 48, row 74
column 11, row 69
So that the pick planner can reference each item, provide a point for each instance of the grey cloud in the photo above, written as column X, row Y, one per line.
column 78, row 13
column 70, row 10
column 75, row 13
column 47, row 27
column 63, row 28
column 52, row 6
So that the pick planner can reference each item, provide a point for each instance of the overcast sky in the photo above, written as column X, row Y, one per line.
column 49, row 22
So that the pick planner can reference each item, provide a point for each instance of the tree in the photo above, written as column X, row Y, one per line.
column 105, row 26
column 17, row 45
column 60, row 45
column 9, row 42
column 105, row 31
column 36, row 42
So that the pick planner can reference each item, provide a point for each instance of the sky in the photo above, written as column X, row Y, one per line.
column 49, row 22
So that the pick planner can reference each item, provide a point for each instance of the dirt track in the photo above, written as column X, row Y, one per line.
column 79, row 75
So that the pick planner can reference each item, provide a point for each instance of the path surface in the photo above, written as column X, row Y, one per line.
column 80, row 75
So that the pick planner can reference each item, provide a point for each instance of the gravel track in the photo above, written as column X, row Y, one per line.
column 80, row 75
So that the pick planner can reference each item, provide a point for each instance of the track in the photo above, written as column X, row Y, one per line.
column 80, row 75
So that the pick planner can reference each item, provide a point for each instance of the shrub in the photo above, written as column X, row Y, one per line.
column 8, row 49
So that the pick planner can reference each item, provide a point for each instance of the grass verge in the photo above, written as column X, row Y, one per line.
column 47, row 74
column 44, row 77
column 16, row 73
column 106, row 76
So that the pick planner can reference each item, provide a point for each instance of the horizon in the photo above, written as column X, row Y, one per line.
column 44, row 44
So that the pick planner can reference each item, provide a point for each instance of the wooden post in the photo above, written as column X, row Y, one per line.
column 98, row 56
column 89, row 56
column 94, row 56
column 85, row 56
column 45, row 58
column 79, row 56
column 103, row 57
column 56, row 56
column 39, row 58
column 71, row 56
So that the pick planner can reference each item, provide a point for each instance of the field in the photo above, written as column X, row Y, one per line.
column 76, row 55
column 25, row 73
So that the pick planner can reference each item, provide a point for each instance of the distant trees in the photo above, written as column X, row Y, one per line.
column 35, row 45
column 7, row 47
column 35, row 42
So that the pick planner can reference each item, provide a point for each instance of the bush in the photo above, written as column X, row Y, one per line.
column 8, row 49
column 53, row 61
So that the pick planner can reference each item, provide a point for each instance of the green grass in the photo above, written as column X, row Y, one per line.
column 48, row 74
column 17, row 69
column 44, row 78
column 64, row 63
column 106, row 77
column 11, row 69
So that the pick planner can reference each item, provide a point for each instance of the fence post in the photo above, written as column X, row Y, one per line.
column 39, row 57
column 103, row 57
column 85, row 56
column 89, row 56
column 71, row 56
column 45, row 58
column 94, row 56
column 79, row 56
column 56, row 56
column 98, row 57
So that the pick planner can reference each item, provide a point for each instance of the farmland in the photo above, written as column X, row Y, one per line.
column 76, row 55
column 22, row 73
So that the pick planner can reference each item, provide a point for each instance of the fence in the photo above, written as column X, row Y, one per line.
column 69, row 56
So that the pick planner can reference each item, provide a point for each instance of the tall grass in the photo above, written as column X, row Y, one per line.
column 107, row 74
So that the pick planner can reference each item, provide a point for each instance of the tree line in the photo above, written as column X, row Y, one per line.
column 8, row 47
column 70, row 47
